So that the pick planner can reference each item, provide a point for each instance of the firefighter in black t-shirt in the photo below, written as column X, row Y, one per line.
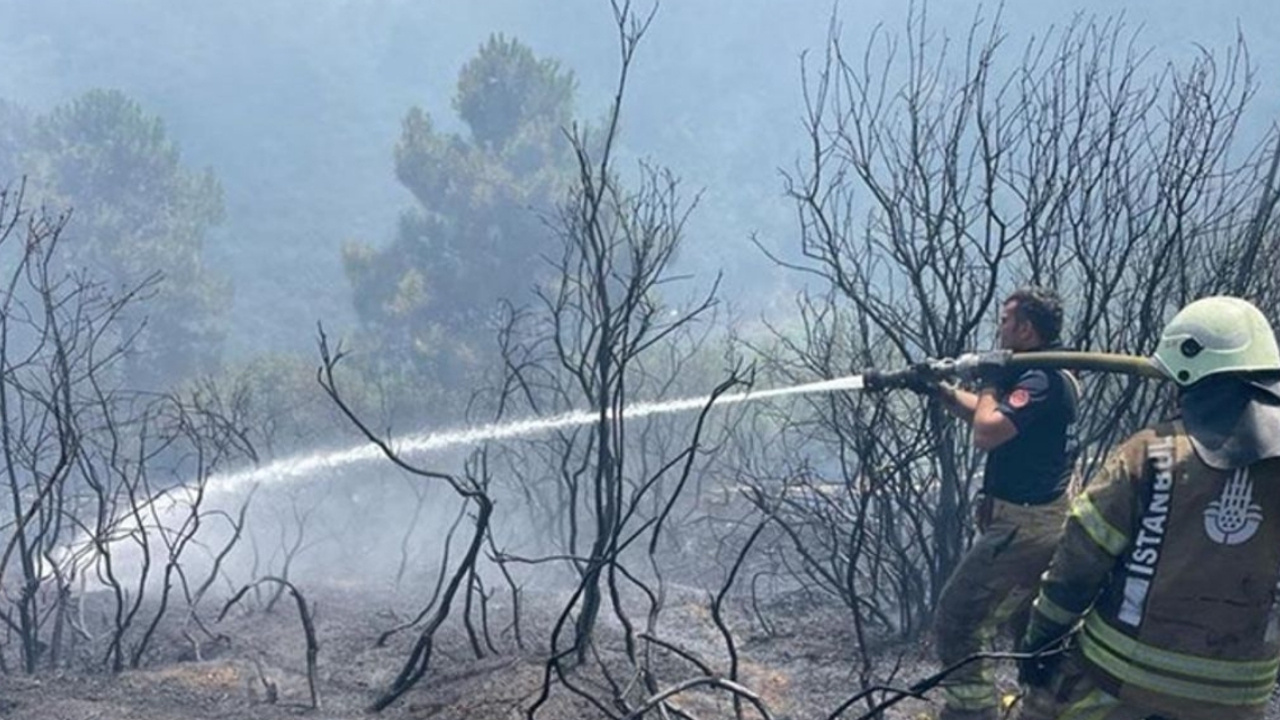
column 1023, row 422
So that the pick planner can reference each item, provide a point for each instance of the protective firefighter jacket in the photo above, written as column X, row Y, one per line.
column 1173, row 566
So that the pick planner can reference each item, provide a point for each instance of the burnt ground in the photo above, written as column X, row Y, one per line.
column 804, row 669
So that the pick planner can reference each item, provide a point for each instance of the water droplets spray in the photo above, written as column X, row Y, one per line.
column 301, row 466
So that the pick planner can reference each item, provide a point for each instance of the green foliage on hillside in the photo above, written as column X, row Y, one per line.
column 139, row 219
column 428, row 299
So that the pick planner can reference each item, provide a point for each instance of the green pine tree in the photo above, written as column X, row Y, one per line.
column 427, row 300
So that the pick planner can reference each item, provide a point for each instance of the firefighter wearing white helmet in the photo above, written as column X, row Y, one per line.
column 1168, row 567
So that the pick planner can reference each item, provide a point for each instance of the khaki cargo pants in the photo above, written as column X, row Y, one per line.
column 994, row 583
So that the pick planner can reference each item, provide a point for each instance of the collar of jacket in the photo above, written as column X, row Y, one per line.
column 1233, row 420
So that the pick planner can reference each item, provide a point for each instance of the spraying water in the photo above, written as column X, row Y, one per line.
column 301, row 466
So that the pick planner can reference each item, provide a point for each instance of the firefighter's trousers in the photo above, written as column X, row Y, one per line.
column 994, row 582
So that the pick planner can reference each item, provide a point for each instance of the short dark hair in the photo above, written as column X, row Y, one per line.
column 1042, row 308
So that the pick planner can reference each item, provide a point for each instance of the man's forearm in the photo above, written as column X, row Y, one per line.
column 958, row 402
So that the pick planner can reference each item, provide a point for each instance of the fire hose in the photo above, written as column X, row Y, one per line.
column 973, row 366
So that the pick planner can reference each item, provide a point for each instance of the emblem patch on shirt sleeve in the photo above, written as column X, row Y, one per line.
column 1019, row 398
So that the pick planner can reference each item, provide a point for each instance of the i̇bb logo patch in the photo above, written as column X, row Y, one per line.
column 1019, row 398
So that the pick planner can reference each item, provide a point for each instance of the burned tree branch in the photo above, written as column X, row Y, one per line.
column 305, row 613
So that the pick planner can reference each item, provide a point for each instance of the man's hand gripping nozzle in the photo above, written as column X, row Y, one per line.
column 923, row 377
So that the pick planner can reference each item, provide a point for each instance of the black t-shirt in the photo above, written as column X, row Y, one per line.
column 1034, row 466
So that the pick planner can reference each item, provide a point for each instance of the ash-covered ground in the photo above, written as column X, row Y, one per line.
column 805, row 667
column 255, row 666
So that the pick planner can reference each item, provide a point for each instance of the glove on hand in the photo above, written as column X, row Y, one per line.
column 923, row 380
column 1045, row 644
column 1037, row 671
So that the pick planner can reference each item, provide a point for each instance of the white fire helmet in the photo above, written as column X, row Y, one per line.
column 1213, row 335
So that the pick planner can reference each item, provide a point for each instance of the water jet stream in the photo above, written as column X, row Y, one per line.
column 300, row 466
